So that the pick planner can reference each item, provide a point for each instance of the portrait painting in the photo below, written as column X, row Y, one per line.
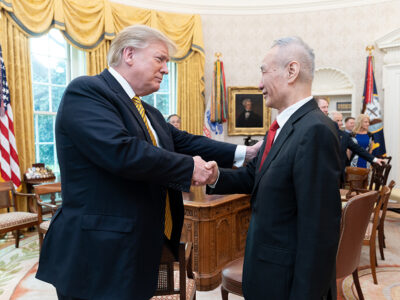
column 248, row 114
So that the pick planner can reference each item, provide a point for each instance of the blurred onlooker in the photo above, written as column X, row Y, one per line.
column 323, row 105
column 349, row 123
column 337, row 117
column 347, row 144
column 175, row 120
column 364, row 138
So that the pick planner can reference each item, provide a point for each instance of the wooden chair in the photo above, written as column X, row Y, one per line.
column 232, row 278
column 179, row 284
column 379, row 176
column 370, row 234
column 381, row 224
column 355, row 219
column 40, row 191
column 356, row 180
column 14, row 219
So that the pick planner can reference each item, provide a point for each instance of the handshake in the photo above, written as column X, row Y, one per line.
column 204, row 172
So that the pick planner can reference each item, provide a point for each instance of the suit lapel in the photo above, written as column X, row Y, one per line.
column 159, row 126
column 124, row 98
column 280, row 141
column 276, row 146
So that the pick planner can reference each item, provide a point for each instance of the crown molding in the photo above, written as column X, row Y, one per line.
column 245, row 7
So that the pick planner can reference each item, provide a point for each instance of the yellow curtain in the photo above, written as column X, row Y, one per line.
column 96, row 60
column 15, row 46
column 90, row 26
column 191, row 93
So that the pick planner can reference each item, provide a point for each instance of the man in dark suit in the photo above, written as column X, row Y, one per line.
column 294, row 228
column 248, row 118
column 123, row 169
column 346, row 142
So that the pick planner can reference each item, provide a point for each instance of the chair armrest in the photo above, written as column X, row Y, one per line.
column 24, row 194
column 52, row 206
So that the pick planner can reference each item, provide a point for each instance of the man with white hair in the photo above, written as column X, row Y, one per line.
column 295, row 223
column 123, row 170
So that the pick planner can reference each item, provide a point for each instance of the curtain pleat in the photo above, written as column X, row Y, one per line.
column 96, row 60
column 190, row 90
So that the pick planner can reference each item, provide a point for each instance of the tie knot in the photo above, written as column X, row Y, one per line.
column 274, row 126
column 137, row 100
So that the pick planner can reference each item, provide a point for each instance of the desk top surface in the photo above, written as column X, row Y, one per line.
column 198, row 198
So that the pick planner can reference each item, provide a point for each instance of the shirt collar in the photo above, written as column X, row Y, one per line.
column 122, row 81
column 282, row 118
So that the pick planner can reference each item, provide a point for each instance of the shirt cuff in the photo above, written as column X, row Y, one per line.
column 240, row 155
column 374, row 160
column 212, row 186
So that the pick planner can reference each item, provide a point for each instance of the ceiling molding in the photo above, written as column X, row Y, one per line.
column 245, row 7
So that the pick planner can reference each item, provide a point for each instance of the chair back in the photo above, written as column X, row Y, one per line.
column 7, row 195
column 386, row 201
column 355, row 219
column 379, row 176
column 357, row 178
column 384, row 195
column 166, row 284
column 47, row 189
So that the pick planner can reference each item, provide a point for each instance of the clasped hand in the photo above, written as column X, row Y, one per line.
column 204, row 172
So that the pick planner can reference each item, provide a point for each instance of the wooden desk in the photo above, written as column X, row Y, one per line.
column 217, row 226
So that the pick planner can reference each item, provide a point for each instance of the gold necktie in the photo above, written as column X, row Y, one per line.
column 168, row 216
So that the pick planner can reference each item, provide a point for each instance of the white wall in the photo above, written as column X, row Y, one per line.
column 338, row 37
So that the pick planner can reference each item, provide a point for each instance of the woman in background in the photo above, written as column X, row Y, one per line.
column 364, row 138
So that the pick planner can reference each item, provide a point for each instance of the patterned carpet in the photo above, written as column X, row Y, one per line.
column 18, row 268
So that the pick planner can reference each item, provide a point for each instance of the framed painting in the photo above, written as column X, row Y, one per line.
column 248, row 114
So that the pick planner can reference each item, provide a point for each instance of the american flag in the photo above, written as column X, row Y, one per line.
column 9, row 163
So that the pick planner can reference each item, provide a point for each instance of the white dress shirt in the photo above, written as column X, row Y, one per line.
column 285, row 115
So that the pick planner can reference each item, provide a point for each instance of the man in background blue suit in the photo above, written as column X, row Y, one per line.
column 123, row 169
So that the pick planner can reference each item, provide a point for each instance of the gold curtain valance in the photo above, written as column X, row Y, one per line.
column 87, row 23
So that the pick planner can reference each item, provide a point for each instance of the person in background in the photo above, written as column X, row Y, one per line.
column 362, row 137
column 323, row 105
column 347, row 144
column 349, row 123
column 175, row 120
column 295, row 219
column 123, row 170
column 336, row 117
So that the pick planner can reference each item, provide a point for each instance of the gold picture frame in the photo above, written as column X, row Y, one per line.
column 253, row 121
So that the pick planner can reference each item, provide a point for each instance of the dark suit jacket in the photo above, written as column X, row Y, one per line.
column 106, row 240
column 254, row 120
column 294, row 228
column 346, row 142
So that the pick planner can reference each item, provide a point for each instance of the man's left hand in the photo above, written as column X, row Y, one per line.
column 251, row 151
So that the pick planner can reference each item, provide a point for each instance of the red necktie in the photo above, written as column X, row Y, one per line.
column 270, row 139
